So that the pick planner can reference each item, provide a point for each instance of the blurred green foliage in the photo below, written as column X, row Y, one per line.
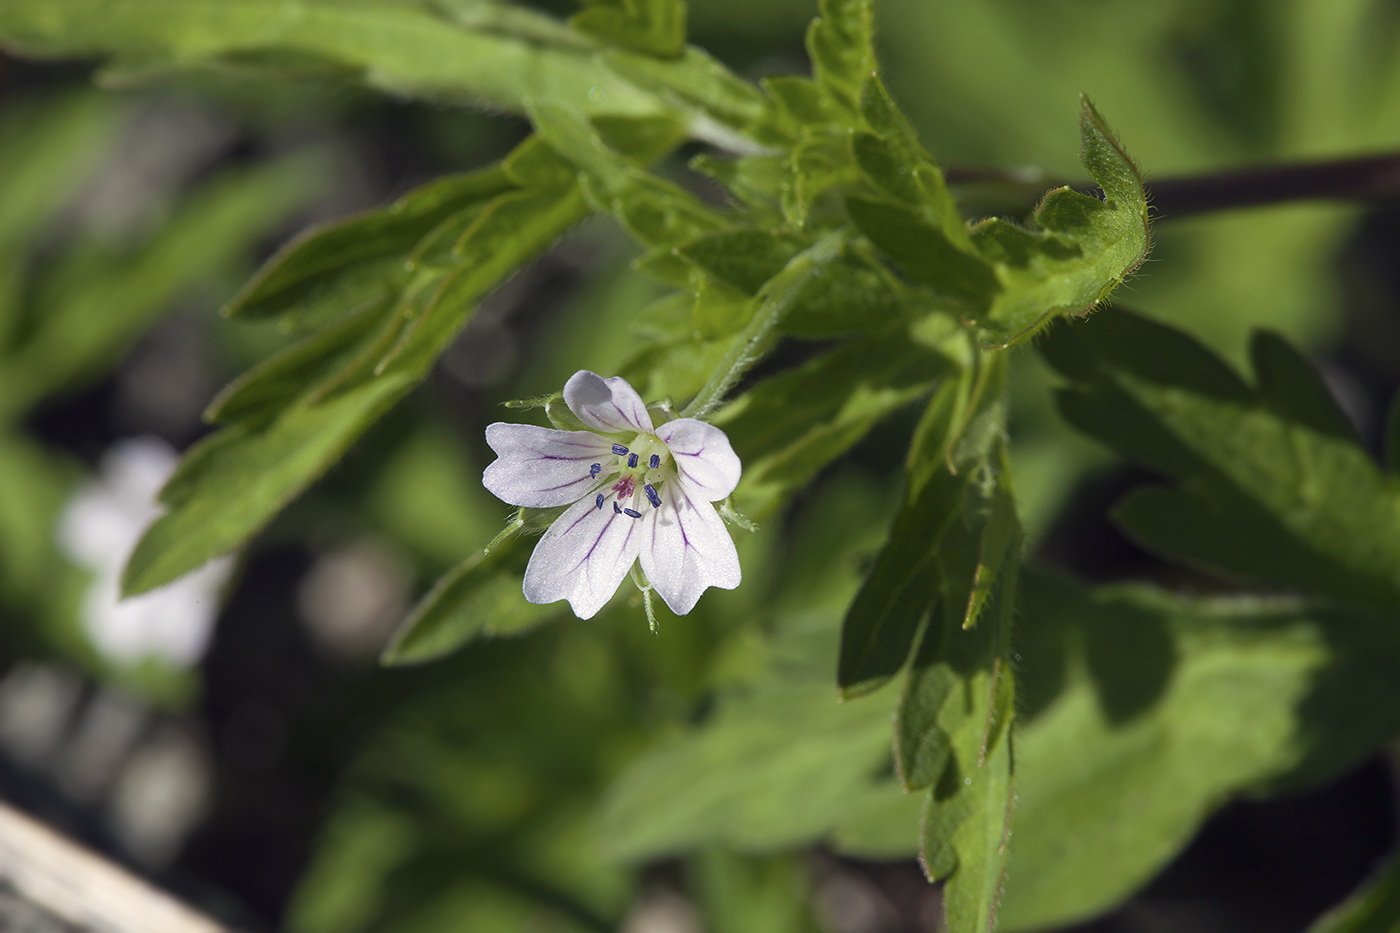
column 1065, row 740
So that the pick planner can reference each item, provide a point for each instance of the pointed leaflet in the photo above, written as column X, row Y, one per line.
column 950, row 451
column 231, row 484
column 1079, row 248
column 790, row 426
column 1273, row 485
column 839, row 42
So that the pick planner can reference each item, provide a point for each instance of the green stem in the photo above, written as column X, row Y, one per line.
column 773, row 300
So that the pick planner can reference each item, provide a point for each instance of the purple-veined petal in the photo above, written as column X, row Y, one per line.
column 543, row 468
column 583, row 557
column 608, row 405
column 708, row 465
column 686, row 548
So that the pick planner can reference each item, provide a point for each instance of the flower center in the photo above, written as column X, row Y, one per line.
column 641, row 467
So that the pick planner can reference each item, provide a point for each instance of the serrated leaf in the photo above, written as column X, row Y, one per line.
column 1080, row 248
column 658, row 213
column 881, row 623
column 926, row 253
column 283, row 376
column 1272, row 487
column 789, row 427
column 305, row 261
column 839, row 43
column 511, row 229
column 745, row 258
column 479, row 598
column 893, row 158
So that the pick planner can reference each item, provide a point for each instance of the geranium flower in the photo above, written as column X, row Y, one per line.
column 638, row 492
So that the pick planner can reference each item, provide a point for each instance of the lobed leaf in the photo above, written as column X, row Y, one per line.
column 293, row 416
column 1142, row 711
column 1273, row 485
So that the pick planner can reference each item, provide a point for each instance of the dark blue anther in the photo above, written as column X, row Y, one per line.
column 617, row 509
column 594, row 470
column 632, row 461
column 619, row 449
column 600, row 499
column 655, row 461
column 652, row 497
column 633, row 512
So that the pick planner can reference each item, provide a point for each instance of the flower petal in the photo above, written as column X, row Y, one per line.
column 707, row 464
column 543, row 468
column 687, row 549
column 608, row 405
column 583, row 557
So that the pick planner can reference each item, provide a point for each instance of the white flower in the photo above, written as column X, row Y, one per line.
column 98, row 530
column 639, row 492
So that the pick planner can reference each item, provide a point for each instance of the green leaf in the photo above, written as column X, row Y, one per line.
column 658, row 213
column 493, row 55
column 891, row 156
column 656, row 27
column 228, row 486
column 97, row 302
column 771, row 305
column 840, row 44
column 47, row 147
column 278, row 380
column 479, row 598
column 293, row 274
column 1079, row 248
column 1293, row 388
column 1373, row 909
column 1272, row 485
column 699, row 79
column 791, row 426
column 779, row 769
column 745, row 258
column 925, row 252
column 953, row 722
column 1142, row 712
column 949, row 452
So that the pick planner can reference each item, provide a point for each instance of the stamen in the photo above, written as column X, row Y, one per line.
column 652, row 497
column 632, row 461
column 600, row 499
column 655, row 461
column 594, row 470
column 619, row 449
column 617, row 509
column 633, row 512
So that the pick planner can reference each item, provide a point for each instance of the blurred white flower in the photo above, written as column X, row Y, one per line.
column 639, row 492
column 98, row 530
